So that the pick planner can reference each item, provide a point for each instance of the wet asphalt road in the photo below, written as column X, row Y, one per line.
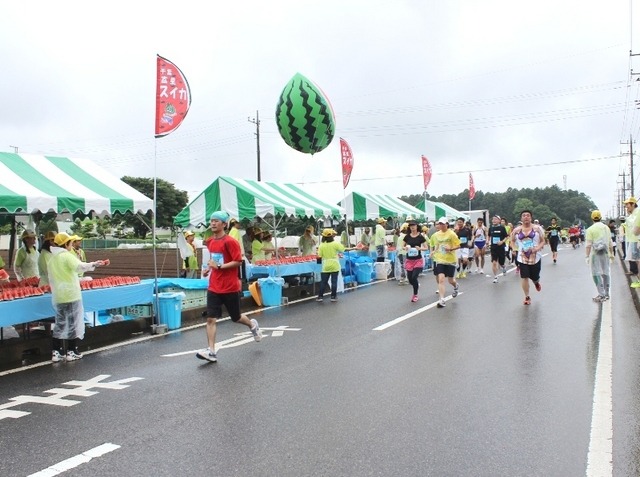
column 484, row 387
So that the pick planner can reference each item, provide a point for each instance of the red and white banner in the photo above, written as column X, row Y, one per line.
column 426, row 171
column 173, row 97
column 347, row 162
column 472, row 189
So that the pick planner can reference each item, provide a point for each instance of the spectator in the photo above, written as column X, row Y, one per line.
column 26, row 262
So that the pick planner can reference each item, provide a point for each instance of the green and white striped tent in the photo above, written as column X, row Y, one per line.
column 435, row 210
column 247, row 199
column 31, row 183
column 361, row 206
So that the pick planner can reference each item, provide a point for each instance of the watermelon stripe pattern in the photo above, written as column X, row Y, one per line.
column 304, row 116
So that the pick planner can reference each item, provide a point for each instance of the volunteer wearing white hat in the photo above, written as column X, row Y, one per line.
column 26, row 262
column 66, row 295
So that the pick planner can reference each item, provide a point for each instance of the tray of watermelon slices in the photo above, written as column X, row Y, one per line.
column 16, row 289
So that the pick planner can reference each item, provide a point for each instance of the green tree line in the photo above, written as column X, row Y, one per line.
column 568, row 206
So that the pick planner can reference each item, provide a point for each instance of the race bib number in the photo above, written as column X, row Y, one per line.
column 413, row 252
column 554, row 233
column 443, row 249
column 495, row 240
column 527, row 244
column 463, row 239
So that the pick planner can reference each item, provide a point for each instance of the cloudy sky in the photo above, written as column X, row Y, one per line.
column 519, row 94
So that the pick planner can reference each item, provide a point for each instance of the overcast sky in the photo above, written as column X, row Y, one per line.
column 519, row 94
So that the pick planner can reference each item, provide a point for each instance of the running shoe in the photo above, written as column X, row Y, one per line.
column 635, row 285
column 56, row 356
column 207, row 355
column 318, row 299
column 255, row 331
column 455, row 291
column 538, row 286
column 598, row 299
column 504, row 270
column 334, row 300
column 414, row 298
column 495, row 279
column 527, row 300
column 73, row 356
column 441, row 304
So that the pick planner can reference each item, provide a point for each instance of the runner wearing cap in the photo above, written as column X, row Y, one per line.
column 443, row 245
column 497, row 237
column 224, row 284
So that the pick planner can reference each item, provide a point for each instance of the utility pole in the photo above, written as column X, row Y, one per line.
column 15, row 149
column 256, row 121
column 631, row 186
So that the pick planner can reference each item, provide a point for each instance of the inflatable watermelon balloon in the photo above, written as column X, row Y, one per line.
column 304, row 116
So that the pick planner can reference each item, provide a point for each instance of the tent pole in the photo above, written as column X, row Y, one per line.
column 156, row 319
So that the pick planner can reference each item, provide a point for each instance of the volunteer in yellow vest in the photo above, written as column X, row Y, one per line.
column 45, row 256
column 63, row 269
column 234, row 232
column 77, row 241
column 329, row 251
column 26, row 262
column 444, row 242
column 380, row 239
column 599, row 252
column 190, row 264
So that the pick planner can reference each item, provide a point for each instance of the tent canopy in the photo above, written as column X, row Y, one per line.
column 371, row 206
column 31, row 183
column 247, row 199
column 435, row 210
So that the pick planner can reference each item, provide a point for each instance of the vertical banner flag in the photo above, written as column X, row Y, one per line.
column 426, row 171
column 472, row 189
column 347, row 162
column 173, row 97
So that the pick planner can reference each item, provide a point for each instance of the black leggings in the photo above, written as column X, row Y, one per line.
column 412, row 276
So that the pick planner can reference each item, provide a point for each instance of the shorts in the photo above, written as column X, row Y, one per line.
column 444, row 268
column 463, row 253
column 480, row 244
column 498, row 254
column 231, row 302
column 553, row 243
column 633, row 250
column 531, row 271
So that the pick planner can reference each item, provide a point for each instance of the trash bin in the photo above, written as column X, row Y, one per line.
column 170, row 309
column 363, row 272
column 382, row 269
column 271, row 289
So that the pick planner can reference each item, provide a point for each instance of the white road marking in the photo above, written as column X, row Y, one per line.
column 600, row 456
column 400, row 319
column 238, row 340
column 77, row 460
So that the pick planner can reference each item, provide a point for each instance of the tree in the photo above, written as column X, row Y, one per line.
column 103, row 227
column 169, row 202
